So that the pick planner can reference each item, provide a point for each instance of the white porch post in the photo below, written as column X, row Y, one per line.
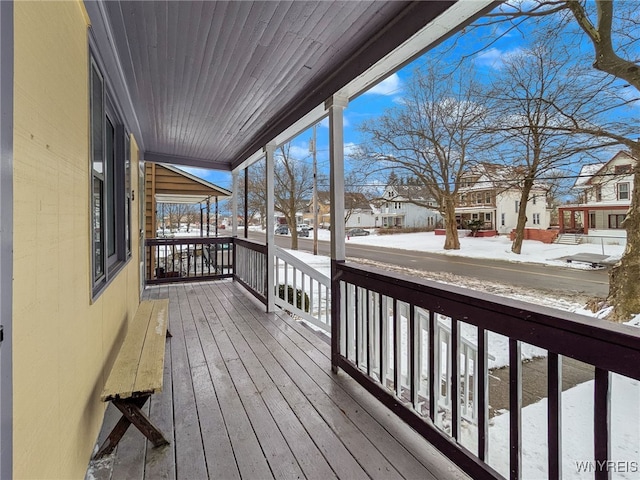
column 336, row 105
column 234, row 205
column 270, row 153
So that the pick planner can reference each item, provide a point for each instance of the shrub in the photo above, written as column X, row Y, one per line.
column 299, row 296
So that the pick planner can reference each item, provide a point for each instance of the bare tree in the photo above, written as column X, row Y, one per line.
column 433, row 136
column 192, row 215
column 611, row 28
column 256, row 195
column 293, row 186
column 533, row 96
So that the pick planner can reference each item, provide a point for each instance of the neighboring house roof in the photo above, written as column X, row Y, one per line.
column 492, row 175
column 415, row 193
column 352, row 200
column 586, row 174
column 589, row 172
column 174, row 185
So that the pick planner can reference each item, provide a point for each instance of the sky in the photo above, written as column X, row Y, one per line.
column 389, row 93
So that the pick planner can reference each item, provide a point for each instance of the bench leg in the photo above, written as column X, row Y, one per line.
column 131, row 414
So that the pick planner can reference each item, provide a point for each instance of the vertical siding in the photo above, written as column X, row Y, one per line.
column 62, row 342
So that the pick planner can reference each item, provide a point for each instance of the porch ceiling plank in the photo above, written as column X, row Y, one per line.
column 213, row 82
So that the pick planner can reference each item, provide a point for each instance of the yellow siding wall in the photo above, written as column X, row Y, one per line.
column 63, row 344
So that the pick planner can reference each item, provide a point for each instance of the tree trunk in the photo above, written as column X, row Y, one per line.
column 624, row 277
column 451, row 240
column 516, row 246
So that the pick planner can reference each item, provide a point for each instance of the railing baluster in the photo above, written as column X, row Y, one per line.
column 433, row 377
column 397, row 362
column 414, row 356
column 454, row 345
column 383, row 340
column 482, row 374
column 356, row 325
column 515, row 405
column 368, row 322
column 554, row 415
column 602, row 422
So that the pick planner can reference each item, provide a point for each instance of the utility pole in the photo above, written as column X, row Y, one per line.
column 208, row 213
column 315, row 192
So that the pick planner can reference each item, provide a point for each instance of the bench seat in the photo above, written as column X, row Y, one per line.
column 137, row 373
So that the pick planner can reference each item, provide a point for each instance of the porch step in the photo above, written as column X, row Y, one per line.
column 569, row 239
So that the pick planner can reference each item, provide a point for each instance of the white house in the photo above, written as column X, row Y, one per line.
column 358, row 211
column 408, row 206
column 605, row 191
column 489, row 193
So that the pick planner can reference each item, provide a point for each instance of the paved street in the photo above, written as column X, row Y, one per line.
column 535, row 276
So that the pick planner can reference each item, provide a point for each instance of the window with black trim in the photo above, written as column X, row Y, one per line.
column 110, row 184
column 615, row 221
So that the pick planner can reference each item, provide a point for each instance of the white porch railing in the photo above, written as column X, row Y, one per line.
column 314, row 303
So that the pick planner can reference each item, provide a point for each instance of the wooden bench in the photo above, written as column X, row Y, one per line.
column 137, row 373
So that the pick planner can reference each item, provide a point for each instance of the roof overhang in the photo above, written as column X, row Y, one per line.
column 209, row 84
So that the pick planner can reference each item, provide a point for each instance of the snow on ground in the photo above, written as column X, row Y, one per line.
column 498, row 248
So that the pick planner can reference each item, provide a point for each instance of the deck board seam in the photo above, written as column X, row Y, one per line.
column 315, row 386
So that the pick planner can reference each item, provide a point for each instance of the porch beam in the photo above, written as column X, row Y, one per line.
column 234, row 205
column 335, row 106
column 186, row 161
column 269, row 151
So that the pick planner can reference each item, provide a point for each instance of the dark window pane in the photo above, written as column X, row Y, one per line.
column 98, row 231
column 97, row 115
column 111, row 171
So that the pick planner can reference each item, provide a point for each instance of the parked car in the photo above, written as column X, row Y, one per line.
column 357, row 232
column 303, row 231
column 282, row 230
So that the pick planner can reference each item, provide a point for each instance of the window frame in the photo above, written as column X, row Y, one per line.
column 110, row 184
column 617, row 218
column 627, row 191
column 536, row 219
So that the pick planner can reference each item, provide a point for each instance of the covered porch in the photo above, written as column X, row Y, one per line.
column 249, row 394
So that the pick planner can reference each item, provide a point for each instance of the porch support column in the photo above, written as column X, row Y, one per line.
column 335, row 106
column 271, row 248
column 561, row 219
column 585, row 221
column 234, row 205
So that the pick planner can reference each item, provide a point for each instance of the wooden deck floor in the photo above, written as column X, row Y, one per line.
column 251, row 395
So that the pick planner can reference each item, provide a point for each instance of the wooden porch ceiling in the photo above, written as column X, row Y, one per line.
column 208, row 84
column 251, row 395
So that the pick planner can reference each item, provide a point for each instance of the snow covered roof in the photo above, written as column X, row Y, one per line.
column 586, row 174
column 484, row 175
